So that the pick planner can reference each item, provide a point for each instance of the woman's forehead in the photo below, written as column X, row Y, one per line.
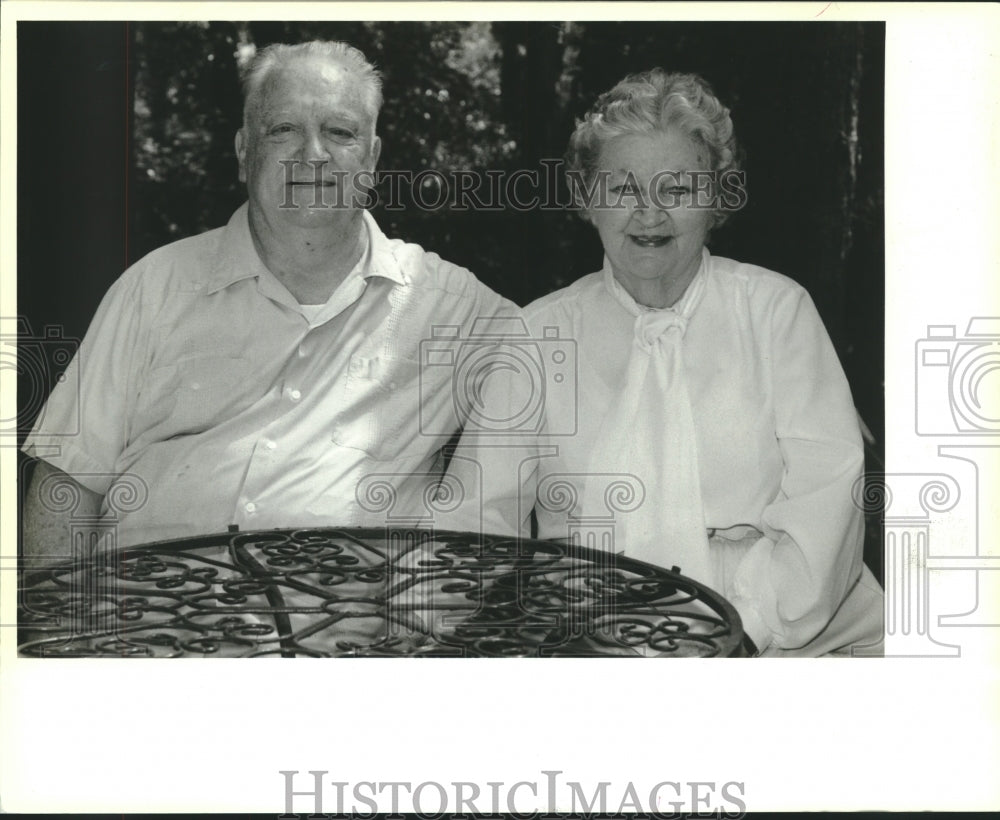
column 652, row 152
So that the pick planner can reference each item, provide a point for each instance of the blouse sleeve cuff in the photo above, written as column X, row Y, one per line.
column 753, row 625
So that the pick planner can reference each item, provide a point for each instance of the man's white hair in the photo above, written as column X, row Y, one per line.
column 279, row 55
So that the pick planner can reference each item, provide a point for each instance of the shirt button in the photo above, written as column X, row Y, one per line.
column 303, row 351
column 269, row 444
column 294, row 395
column 250, row 507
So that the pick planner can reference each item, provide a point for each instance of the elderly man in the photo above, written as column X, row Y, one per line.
column 256, row 374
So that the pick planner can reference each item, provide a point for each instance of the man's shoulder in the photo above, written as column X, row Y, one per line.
column 428, row 269
column 182, row 266
column 189, row 258
column 428, row 272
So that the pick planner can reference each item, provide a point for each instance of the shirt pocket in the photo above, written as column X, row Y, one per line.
column 396, row 409
column 195, row 394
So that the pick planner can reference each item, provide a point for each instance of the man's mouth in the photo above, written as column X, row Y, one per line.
column 650, row 240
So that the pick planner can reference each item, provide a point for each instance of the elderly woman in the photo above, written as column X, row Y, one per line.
column 710, row 420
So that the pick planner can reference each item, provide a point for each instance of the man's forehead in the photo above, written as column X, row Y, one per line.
column 311, row 77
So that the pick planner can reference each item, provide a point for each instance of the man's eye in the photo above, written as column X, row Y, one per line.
column 341, row 133
column 283, row 128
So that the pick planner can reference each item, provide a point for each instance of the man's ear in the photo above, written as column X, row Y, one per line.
column 241, row 154
column 376, row 151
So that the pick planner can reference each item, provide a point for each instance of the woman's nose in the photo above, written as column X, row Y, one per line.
column 648, row 215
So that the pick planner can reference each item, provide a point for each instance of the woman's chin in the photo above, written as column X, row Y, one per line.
column 650, row 271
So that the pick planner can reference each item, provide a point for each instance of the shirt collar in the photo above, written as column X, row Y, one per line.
column 382, row 260
column 237, row 257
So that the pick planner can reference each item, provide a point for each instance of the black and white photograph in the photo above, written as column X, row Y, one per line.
column 525, row 346
column 213, row 392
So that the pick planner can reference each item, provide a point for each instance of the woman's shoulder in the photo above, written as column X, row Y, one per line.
column 758, row 285
column 563, row 304
column 752, row 277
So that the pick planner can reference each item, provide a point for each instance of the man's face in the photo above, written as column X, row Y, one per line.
column 306, row 138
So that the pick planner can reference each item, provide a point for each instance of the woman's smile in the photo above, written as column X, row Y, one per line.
column 650, row 240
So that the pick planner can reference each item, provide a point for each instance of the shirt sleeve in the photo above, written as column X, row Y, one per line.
column 494, row 466
column 83, row 427
column 792, row 580
column 486, row 488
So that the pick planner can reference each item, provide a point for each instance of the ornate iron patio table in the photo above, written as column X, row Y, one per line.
column 369, row 592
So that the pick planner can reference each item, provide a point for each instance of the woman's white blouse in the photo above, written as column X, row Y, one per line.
column 777, row 437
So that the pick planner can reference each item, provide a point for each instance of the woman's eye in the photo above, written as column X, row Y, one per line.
column 625, row 188
column 673, row 193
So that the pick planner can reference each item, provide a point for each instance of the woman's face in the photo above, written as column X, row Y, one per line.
column 653, row 238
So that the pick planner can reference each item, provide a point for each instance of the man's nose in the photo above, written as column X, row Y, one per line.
column 314, row 147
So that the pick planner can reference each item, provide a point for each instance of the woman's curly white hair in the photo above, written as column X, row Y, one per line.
column 650, row 102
